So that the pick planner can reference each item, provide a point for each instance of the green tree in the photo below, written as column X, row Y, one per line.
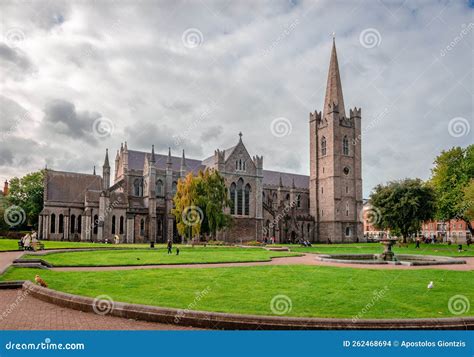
column 469, row 200
column 451, row 177
column 402, row 206
column 200, row 203
column 27, row 193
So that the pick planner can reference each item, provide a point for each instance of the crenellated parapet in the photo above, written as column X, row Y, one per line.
column 355, row 113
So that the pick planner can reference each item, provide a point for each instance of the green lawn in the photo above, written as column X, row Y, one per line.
column 314, row 291
column 160, row 256
column 370, row 248
column 12, row 244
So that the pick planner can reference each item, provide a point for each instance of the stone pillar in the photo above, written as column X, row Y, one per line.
column 169, row 235
column 40, row 227
column 66, row 227
column 88, row 228
column 130, row 228
column 46, row 229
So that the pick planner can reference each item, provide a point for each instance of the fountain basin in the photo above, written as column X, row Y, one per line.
column 400, row 259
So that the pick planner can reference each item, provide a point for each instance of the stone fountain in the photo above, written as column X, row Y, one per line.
column 389, row 257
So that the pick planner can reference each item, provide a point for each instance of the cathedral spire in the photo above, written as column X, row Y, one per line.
column 334, row 86
column 152, row 157
column 168, row 161
column 106, row 161
column 182, row 168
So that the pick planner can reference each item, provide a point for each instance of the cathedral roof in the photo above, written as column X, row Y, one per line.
column 65, row 186
column 272, row 178
column 136, row 160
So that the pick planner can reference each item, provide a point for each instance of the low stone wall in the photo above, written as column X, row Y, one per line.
column 214, row 320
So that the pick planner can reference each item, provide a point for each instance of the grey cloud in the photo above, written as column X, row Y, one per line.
column 6, row 156
column 128, row 62
column 12, row 115
column 62, row 117
column 211, row 133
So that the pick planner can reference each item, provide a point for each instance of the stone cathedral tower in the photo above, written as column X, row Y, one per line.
column 335, row 165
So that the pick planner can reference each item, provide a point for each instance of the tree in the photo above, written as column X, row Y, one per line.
column 27, row 194
column 451, row 177
column 200, row 203
column 469, row 200
column 402, row 206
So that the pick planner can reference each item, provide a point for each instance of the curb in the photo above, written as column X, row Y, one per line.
column 215, row 320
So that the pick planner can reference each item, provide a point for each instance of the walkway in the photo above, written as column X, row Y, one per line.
column 19, row 311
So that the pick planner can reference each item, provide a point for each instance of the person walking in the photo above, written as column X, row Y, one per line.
column 417, row 242
column 170, row 246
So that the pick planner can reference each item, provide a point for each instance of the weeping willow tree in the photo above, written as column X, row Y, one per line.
column 200, row 203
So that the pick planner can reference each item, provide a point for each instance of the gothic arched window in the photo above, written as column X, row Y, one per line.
column 174, row 187
column 79, row 224
column 61, row 223
column 348, row 231
column 95, row 224
column 138, row 187
column 298, row 201
column 142, row 227
column 247, row 200
column 345, row 146
column 159, row 188
column 232, row 198
column 53, row 223
column 113, row 224
column 121, row 225
column 240, row 184
column 323, row 146
column 73, row 224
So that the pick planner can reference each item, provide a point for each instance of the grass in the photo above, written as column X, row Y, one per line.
column 12, row 244
column 371, row 248
column 313, row 291
column 188, row 255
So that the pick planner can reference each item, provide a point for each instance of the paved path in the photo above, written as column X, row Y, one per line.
column 306, row 259
column 19, row 311
column 6, row 258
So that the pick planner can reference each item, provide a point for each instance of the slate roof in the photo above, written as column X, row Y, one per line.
column 70, row 186
column 273, row 178
column 136, row 160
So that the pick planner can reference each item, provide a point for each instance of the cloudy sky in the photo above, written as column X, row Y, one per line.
column 79, row 76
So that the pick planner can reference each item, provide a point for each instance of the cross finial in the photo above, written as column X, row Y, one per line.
column 240, row 135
